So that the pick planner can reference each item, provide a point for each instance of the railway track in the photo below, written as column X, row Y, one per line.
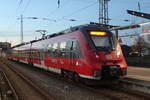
column 23, row 88
column 6, row 89
column 115, row 92
column 111, row 92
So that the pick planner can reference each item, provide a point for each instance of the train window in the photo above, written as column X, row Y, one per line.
column 69, row 49
column 45, row 46
column 68, row 45
column 76, row 52
column 101, row 41
column 65, row 49
column 55, row 50
column 37, row 55
column 28, row 54
column 76, row 45
column 49, row 52
column 55, row 46
column 113, row 42
column 62, row 45
column 62, row 51
column 49, row 46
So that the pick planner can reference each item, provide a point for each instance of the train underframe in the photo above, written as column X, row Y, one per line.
column 108, row 74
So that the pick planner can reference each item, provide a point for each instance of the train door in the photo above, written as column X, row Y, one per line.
column 74, row 54
column 68, row 57
column 69, row 54
column 30, row 54
column 41, row 57
column 71, row 60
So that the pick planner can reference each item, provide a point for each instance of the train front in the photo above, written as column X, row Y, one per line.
column 106, row 59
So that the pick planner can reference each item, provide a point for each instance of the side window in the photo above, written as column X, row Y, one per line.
column 68, row 45
column 44, row 47
column 65, row 49
column 55, row 46
column 37, row 55
column 76, row 45
column 76, row 52
column 55, row 50
column 68, row 49
column 49, row 47
column 52, row 50
column 62, row 45
column 62, row 52
column 49, row 50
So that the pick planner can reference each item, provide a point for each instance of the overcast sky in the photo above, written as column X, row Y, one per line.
column 83, row 11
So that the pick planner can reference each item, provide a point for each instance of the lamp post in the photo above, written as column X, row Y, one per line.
column 21, row 28
column 43, row 32
column 21, row 25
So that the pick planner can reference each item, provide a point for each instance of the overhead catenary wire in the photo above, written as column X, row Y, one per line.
column 61, row 5
column 19, row 5
column 57, row 8
column 77, row 11
column 26, row 6
column 66, row 1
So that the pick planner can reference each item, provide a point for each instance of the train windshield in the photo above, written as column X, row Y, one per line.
column 103, row 41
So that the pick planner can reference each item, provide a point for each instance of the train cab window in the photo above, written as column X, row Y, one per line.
column 113, row 42
column 101, row 41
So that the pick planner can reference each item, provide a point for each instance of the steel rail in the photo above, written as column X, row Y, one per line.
column 30, row 82
column 115, row 88
column 11, row 86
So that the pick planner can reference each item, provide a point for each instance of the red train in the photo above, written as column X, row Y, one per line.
column 86, row 51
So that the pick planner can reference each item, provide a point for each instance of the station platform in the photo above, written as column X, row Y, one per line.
column 138, row 79
column 139, row 73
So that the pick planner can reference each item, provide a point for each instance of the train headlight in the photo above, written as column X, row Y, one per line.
column 118, row 53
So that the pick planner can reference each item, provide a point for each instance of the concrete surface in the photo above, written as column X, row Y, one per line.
column 139, row 73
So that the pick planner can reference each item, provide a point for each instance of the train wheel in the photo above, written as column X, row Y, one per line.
column 30, row 64
column 76, row 77
column 64, row 73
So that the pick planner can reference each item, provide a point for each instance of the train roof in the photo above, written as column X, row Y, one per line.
column 67, row 31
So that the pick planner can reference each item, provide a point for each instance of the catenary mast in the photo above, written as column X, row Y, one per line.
column 103, row 12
